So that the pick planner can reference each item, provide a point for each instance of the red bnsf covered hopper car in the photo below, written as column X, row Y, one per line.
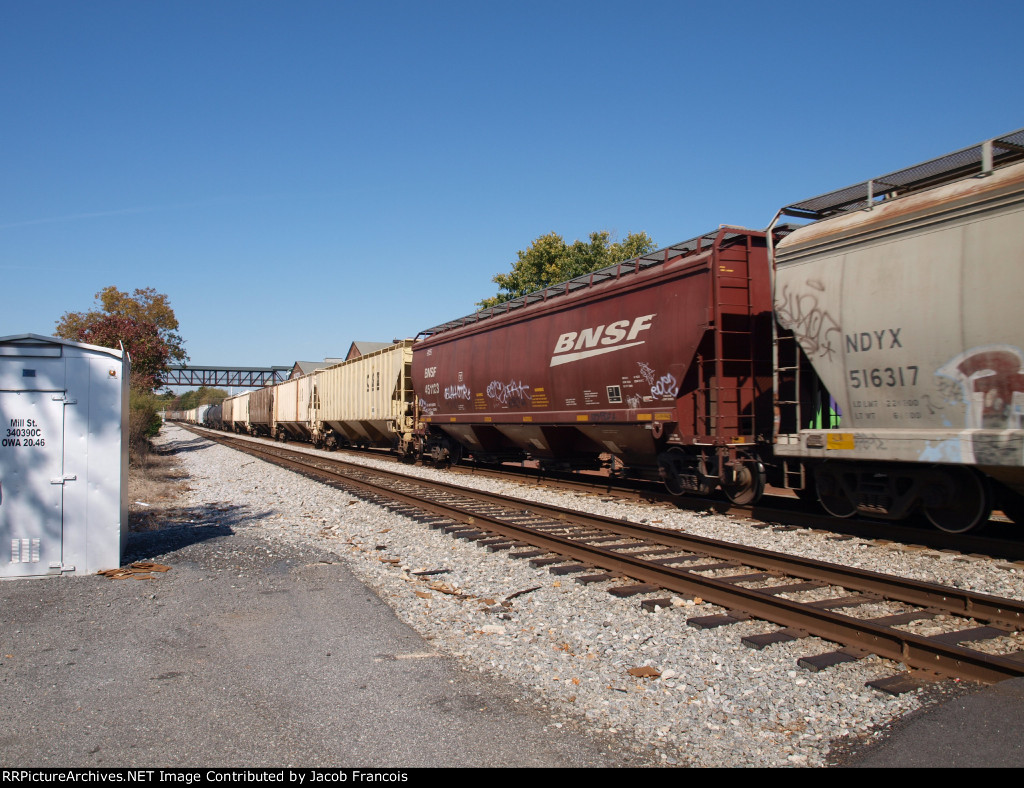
column 662, row 363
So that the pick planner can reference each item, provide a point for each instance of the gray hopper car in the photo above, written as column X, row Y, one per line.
column 908, row 388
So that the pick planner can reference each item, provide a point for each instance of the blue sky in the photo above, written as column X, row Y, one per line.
column 296, row 176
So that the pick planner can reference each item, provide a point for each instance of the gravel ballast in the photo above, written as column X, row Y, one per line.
column 714, row 701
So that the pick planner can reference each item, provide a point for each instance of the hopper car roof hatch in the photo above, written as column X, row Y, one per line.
column 695, row 245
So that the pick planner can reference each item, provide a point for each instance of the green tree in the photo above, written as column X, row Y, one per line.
column 549, row 260
column 201, row 396
column 188, row 401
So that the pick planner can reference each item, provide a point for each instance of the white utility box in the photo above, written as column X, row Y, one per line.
column 63, row 456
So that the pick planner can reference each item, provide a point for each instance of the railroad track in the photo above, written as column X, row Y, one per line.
column 861, row 611
column 999, row 539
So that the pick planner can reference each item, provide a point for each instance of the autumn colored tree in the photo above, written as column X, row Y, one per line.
column 143, row 323
column 550, row 260
column 144, row 306
column 149, row 353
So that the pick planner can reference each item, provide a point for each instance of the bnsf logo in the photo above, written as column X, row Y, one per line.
column 576, row 346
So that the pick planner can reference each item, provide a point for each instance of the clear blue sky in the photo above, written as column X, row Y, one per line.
column 299, row 175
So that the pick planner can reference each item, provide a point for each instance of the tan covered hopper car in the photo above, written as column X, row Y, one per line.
column 293, row 406
column 367, row 401
column 235, row 413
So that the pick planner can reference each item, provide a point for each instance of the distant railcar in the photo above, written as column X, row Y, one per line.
column 294, row 401
column 236, row 413
column 214, row 418
column 366, row 401
column 261, row 409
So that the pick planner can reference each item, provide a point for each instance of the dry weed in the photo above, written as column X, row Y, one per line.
column 155, row 482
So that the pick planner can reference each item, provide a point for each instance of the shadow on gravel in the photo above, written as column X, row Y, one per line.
column 175, row 528
column 183, row 446
column 154, row 544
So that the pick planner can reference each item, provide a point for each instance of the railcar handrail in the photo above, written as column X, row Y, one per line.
column 974, row 161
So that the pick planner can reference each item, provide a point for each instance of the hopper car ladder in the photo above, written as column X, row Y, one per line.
column 802, row 400
column 786, row 373
column 727, row 378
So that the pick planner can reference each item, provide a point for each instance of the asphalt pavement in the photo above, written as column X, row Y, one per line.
column 249, row 653
column 983, row 729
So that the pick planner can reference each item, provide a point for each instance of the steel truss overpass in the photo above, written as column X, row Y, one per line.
column 240, row 377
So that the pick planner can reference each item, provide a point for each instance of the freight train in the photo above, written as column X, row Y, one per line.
column 870, row 359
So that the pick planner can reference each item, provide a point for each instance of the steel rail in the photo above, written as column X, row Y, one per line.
column 771, row 509
column 913, row 592
column 775, row 509
column 916, row 651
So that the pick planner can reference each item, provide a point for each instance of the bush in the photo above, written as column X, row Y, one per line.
column 143, row 422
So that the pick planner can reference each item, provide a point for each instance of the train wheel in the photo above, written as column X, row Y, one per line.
column 445, row 453
column 673, row 483
column 747, row 485
column 967, row 503
column 832, row 495
column 668, row 469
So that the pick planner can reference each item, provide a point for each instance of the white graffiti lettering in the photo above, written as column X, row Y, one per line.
column 647, row 371
column 506, row 393
column 665, row 387
column 460, row 391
